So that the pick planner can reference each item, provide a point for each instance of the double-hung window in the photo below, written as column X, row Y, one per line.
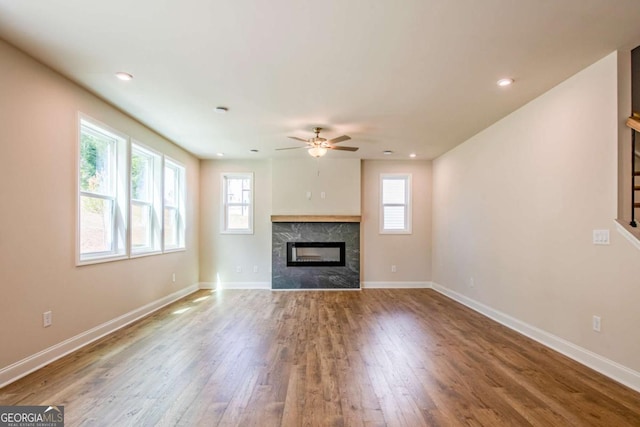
column 128, row 205
column 102, row 193
column 146, row 200
column 174, row 205
column 395, row 206
column 237, row 203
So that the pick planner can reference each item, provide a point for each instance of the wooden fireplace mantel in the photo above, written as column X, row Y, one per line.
column 315, row 218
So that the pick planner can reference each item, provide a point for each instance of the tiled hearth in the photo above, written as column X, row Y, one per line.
column 315, row 277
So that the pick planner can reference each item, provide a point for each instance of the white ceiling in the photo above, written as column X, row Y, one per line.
column 403, row 75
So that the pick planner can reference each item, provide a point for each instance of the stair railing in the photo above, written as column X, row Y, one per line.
column 634, row 123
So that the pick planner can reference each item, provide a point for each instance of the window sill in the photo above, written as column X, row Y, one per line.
column 168, row 251
column 144, row 254
column 237, row 232
column 100, row 260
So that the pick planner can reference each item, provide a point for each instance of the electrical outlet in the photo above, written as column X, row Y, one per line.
column 47, row 319
column 238, row 269
column 323, row 194
column 472, row 283
column 308, row 195
column 393, row 268
column 255, row 268
column 596, row 323
column 173, row 277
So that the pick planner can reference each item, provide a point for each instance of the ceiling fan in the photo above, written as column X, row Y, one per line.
column 318, row 146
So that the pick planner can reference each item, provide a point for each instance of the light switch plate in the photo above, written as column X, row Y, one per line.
column 600, row 237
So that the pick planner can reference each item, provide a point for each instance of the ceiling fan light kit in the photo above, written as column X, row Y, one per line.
column 317, row 151
column 318, row 147
column 124, row 76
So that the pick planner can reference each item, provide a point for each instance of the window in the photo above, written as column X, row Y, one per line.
column 146, row 197
column 102, row 193
column 237, row 203
column 174, row 205
column 395, row 206
column 127, row 205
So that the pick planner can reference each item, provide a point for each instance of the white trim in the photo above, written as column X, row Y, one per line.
column 120, row 197
column 155, row 205
column 171, row 250
column 406, row 178
column 396, row 285
column 611, row 369
column 224, row 176
column 99, row 260
column 316, row 289
column 180, row 200
column 36, row 361
column 627, row 235
column 235, row 285
column 144, row 254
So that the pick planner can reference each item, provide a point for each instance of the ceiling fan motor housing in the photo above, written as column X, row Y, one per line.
column 317, row 143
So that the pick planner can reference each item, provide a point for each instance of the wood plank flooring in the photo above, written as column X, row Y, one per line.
column 369, row 358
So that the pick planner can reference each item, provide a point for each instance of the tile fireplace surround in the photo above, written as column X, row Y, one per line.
column 315, row 229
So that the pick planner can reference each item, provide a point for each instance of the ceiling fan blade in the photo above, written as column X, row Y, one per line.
column 288, row 148
column 298, row 139
column 343, row 148
column 339, row 139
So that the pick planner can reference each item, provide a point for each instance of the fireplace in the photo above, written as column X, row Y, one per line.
column 315, row 254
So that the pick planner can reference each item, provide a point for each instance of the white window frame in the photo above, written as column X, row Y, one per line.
column 407, row 203
column 154, row 203
column 119, row 196
column 179, row 208
column 224, row 223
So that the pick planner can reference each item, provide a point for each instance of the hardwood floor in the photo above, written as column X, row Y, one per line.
column 375, row 358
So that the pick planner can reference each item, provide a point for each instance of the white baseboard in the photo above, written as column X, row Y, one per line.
column 317, row 290
column 235, row 285
column 36, row 361
column 396, row 285
column 611, row 369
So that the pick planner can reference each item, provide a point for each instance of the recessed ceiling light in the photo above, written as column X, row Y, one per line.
column 220, row 154
column 124, row 76
column 504, row 82
column 412, row 155
column 387, row 152
column 221, row 110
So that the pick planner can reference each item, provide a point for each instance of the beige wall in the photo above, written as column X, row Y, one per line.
column 515, row 207
column 339, row 179
column 222, row 254
column 38, row 132
column 410, row 253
